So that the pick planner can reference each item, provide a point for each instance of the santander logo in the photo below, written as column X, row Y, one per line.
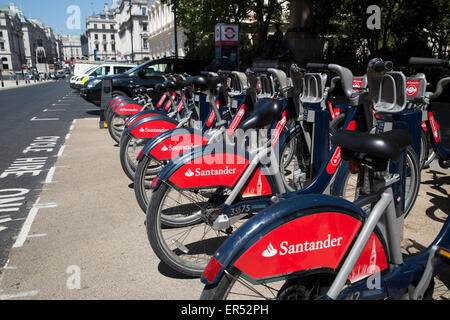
column 286, row 248
column 270, row 252
column 213, row 172
column 189, row 173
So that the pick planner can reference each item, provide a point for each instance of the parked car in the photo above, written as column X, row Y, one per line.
column 147, row 75
column 75, row 77
column 102, row 70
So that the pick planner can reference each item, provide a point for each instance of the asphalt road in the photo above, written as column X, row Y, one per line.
column 34, row 122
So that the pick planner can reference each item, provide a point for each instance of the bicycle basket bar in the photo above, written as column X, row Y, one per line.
column 392, row 93
column 280, row 76
column 313, row 88
column 428, row 62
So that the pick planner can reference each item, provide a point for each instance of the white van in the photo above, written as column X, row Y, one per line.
column 103, row 70
column 76, row 77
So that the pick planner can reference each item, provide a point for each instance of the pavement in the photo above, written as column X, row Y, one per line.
column 11, row 84
column 87, row 240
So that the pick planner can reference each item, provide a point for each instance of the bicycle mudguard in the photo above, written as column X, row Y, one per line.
column 301, row 234
column 172, row 143
column 214, row 165
column 150, row 127
column 142, row 115
column 128, row 109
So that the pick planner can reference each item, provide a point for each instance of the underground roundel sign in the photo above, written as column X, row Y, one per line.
column 227, row 34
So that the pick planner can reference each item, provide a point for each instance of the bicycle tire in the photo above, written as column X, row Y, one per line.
column 142, row 184
column 128, row 161
column 410, row 194
column 165, row 232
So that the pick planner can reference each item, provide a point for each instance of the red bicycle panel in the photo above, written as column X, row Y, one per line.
column 220, row 169
column 175, row 145
column 315, row 241
column 152, row 129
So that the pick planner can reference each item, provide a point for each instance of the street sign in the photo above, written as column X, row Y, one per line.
column 227, row 34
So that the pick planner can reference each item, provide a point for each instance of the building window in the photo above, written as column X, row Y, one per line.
column 145, row 43
column 105, row 47
column 96, row 36
column 5, row 63
column 1, row 34
column 104, row 37
column 95, row 26
column 112, row 27
column 144, row 11
column 113, row 48
column 2, row 46
column 103, row 26
column 144, row 26
column 96, row 47
column 112, row 37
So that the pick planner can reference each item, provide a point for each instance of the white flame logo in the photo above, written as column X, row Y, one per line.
column 189, row 173
column 142, row 130
column 164, row 148
column 270, row 252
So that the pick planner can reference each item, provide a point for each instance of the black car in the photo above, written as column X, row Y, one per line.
column 147, row 75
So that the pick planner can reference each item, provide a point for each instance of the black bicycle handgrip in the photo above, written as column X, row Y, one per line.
column 380, row 66
column 317, row 66
column 296, row 70
column 428, row 62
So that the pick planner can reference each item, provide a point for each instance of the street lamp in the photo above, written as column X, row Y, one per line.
column 175, row 27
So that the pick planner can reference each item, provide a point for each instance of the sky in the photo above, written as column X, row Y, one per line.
column 53, row 13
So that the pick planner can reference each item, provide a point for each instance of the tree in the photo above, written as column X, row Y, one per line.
column 199, row 17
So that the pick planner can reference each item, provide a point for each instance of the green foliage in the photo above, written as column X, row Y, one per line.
column 408, row 28
column 199, row 17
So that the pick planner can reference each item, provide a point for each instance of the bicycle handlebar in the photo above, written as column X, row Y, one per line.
column 380, row 66
column 317, row 66
column 429, row 62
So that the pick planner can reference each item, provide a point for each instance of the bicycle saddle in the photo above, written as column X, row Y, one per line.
column 176, row 85
column 206, row 82
column 267, row 111
column 161, row 87
column 384, row 146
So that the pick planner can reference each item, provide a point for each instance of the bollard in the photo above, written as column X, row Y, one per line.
column 106, row 98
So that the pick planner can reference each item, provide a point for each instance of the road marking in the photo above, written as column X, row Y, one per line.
column 23, row 235
column 53, row 110
column 50, row 174
column 44, row 119
column 61, row 151
column 19, row 295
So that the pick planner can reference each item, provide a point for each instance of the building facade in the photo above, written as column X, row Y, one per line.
column 133, row 30
column 161, row 37
column 27, row 43
column 12, row 51
column 101, row 33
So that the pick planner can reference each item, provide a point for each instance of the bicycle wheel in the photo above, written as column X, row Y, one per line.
column 116, row 126
column 424, row 149
column 350, row 189
column 190, row 241
column 295, row 162
column 232, row 286
column 146, row 171
column 129, row 151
